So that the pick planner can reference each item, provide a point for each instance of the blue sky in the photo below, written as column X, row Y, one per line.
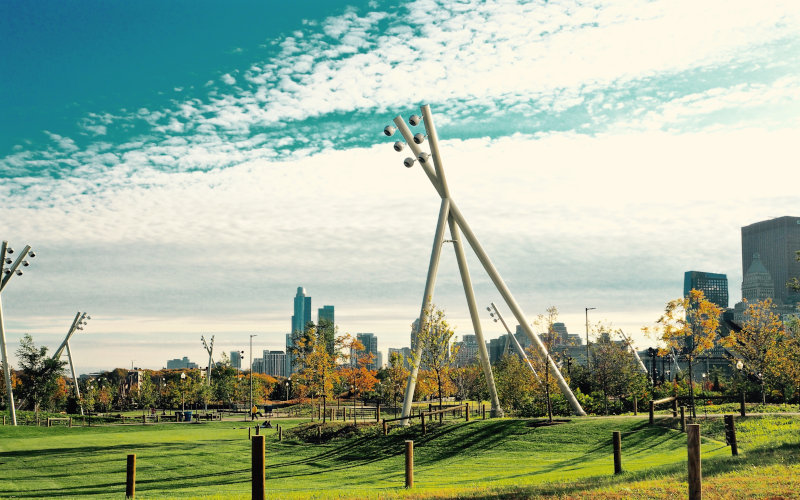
column 182, row 168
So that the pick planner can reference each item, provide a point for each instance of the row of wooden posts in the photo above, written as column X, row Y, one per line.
column 674, row 401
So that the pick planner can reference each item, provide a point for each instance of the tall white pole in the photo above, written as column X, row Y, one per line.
column 6, row 367
column 74, row 379
column 517, row 347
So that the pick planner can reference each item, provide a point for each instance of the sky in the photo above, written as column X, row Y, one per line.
column 180, row 168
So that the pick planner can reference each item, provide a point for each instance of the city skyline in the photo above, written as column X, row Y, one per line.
column 175, row 184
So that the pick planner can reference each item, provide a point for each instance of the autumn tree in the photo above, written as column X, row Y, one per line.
column 438, row 353
column 690, row 325
column 396, row 375
column 145, row 392
column 358, row 376
column 317, row 364
column 515, row 385
column 615, row 371
column 38, row 375
column 756, row 342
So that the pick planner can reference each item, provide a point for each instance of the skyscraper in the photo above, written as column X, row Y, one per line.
column 326, row 324
column 274, row 363
column 325, row 313
column 714, row 286
column 775, row 241
column 302, row 310
column 370, row 342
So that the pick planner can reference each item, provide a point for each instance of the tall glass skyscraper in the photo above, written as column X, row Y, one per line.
column 714, row 286
column 776, row 241
column 302, row 310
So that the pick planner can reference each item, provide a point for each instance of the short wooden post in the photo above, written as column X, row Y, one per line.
column 652, row 412
column 258, row 473
column 617, row 438
column 409, row 464
column 70, row 422
column 385, row 428
column 4, row 420
column 249, row 431
column 467, row 413
column 483, row 411
column 280, row 433
column 130, row 481
column 635, row 406
column 683, row 418
column 257, row 430
column 319, row 433
column 423, row 425
column 695, row 471
column 674, row 408
column 48, row 422
column 730, row 434
column 742, row 411
column 144, row 419
column 378, row 413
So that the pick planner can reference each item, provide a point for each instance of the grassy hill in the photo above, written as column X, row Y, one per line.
column 504, row 458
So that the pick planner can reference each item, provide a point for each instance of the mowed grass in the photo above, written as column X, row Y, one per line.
column 504, row 458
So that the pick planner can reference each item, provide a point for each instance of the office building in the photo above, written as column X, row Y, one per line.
column 776, row 242
column 258, row 365
column 236, row 360
column 325, row 313
column 180, row 364
column 289, row 360
column 302, row 310
column 274, row 363
column 714, row 286
column 467, row 351
column 370, row 343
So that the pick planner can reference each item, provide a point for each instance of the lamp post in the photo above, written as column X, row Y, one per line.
column 5, row 275
column 286, row 394
column 250, row 408
column 588, row 359
column 183, row 390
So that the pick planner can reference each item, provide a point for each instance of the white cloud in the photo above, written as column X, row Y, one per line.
column 228, row 79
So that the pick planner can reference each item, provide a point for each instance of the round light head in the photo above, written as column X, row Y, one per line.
column 488, row 308
column 414, row 120
column 419, row 138
column 389, row 130
column 9, row 250
column 31, row 254
column 423, row 158
column 19, row 273
column 409, row 162
column 25, row 263
column 398, row 146
column 8, row 261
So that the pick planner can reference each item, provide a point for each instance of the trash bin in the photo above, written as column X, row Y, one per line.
column 187, row 416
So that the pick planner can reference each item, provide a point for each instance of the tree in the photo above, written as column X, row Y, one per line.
column 541, row 364
column 145, row 393
column 615, row 370
column 756, row 342
column 691, row 325
column 396, row 376
column 39, row 375
column 437, row 352
column 787, row 359
column 794, row 283
column 317, row 363
column 223, row 381
column 360, row 378
column 515, row 384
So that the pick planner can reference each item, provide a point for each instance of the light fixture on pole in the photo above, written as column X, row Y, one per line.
column 9, row 268
column 251, row 372
column 495, row 314
column 588, row 359
column 451, row 216
column 77, row 324
column 183, row 389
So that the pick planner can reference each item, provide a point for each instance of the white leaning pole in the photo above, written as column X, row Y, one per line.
column 5, row 276
column 439, row 183
column 511, row 338
column 77, row 324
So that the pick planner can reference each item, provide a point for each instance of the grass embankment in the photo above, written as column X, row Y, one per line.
column 481, row 459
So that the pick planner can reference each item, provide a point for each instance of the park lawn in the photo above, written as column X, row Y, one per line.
column 502, row 458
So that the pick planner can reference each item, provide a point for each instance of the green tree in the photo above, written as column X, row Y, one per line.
column 516, row 386
column 690, row 325
column 38, row 376
column 615, row 371
column 223, row 381
column 317, row 364
column 145, row 393
column 756, row 343
column 438, row 353
column 546, row 322
column 396, row 376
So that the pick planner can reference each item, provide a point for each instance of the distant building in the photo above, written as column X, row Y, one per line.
column 236, row 360
column 325, row 313
column 302, row 310
column 274, row 363
column 560, row 329
column 258, row 365
column 775, row 241
column 467, row 351
column 714, row 286
column 370, row 342
column 180, row 364
column 290, row 358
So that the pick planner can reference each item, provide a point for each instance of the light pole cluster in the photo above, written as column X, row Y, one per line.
column 77, row 324
column 451, row 216
column 10, row 267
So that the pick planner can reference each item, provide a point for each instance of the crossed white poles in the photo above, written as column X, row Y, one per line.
column 77, row 324
column 5, row 275
column 450, row 214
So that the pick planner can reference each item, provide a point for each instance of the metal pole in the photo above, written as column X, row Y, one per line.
column 588, row 359
column 250, row 408
column 74, row 378
column 6, row 368
column 517, row 347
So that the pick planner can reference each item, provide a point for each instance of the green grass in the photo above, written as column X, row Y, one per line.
column 495, row 459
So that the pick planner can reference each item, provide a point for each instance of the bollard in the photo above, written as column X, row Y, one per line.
column 280, row 433
column 70, row 422
column 683, row 418
column 409, row 464
column 130, row 480
column 467, row 413
column 741, row 406
column 635, row 406
column 695, row 471
column 652, row 412
column 423, row 425
column 730, row 434
column 258, row 474
column 257, row 431
column 385, row 428
column 674, row 408
column 249, row 430
column 617, row 438
column 483, row 410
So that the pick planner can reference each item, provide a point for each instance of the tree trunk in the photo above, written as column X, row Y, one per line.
column 691, row 387
column 439, row 383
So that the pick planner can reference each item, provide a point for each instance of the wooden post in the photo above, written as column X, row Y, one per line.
column 635, row 406
column 683, row 418
column 257, row 431
column 144, row 419
column 249, row 430
column 423, row 425
column 280, row 433
column 695, row 471
column 652, row 412
column 48, row 422
column 409, row 464
column 617, row 438
column 467, row 413
column 385, row 428
column 258, row 473
column 674, row 408
column 483, row 410
column 319, row 433
column 730, row 433
column 70, row 422
column 741, row 406
column 378, row 413
column 130, row 481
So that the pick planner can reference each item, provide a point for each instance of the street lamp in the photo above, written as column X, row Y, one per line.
column 183, row 389
column 286, row 394
column 588, row 363
column 5, row 275
column 250, row 408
